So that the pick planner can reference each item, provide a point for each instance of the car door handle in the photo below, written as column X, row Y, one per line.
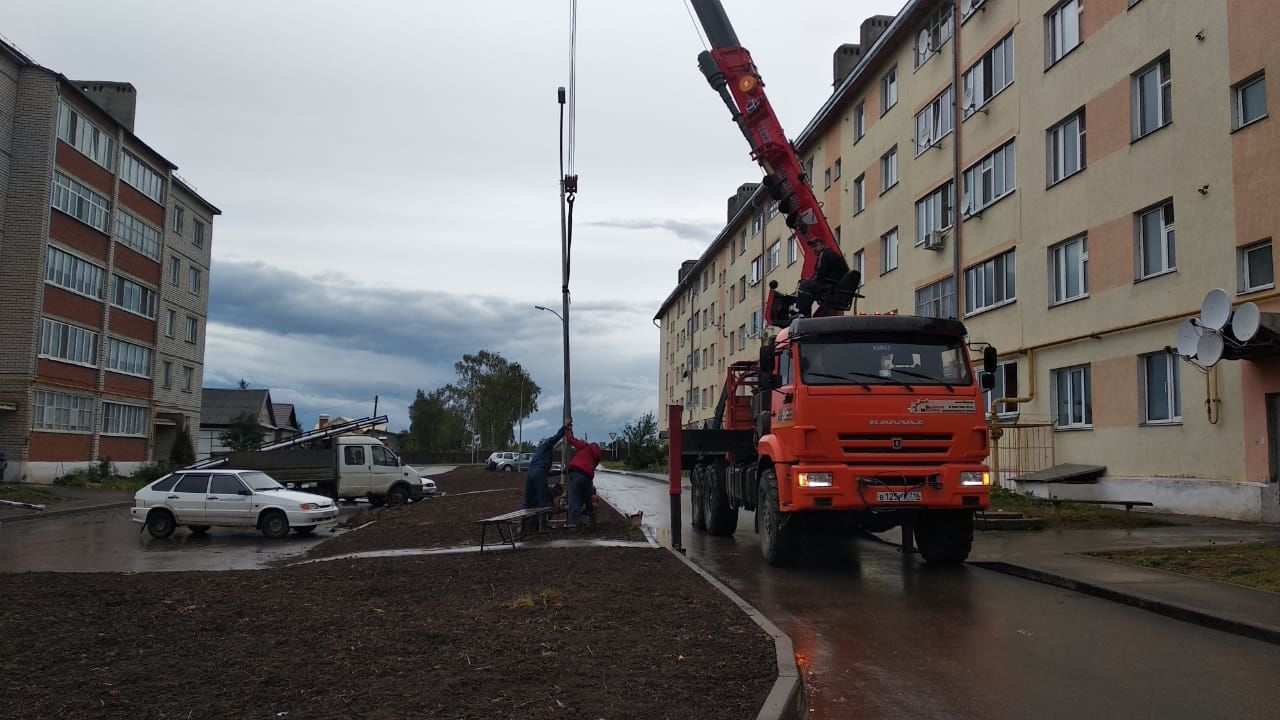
column 210, row 497
column 172, row 497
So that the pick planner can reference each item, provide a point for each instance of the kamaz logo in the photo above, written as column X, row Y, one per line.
column 896, row 422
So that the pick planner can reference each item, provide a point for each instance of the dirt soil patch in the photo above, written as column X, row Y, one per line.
column 470, row 494
column 1071, row 516
column 566, row 633
column 1253, row 566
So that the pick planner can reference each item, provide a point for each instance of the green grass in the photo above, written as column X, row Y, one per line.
column 1251, row 566
column 26, row 494
column 1071, row 516
column 117, row 482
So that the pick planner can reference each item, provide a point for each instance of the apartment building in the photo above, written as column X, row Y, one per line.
column 1069, row 178
column 84, row 285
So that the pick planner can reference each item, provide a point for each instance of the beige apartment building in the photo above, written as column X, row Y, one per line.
column 1114, row 161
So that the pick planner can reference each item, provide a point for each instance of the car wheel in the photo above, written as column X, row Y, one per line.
column 160, row 524
column 274, row 524
column 305, row 529
column 507, row 468
column 198, row 529
column 377, row 500
column 398, row 495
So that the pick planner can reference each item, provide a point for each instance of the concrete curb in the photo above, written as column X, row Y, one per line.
column 38, row 515
column 1162, row 607
column 642, row 476
column 786, row 699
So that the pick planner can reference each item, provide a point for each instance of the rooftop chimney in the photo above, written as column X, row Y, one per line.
column 844, row 61
column 872, row 28
column 741, row 196
column 685, row 267
column 324, row 422
column 118, row 99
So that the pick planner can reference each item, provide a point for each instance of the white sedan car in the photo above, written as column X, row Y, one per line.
column 201, row 499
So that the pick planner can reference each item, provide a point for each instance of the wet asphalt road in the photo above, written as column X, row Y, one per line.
column 878, row 636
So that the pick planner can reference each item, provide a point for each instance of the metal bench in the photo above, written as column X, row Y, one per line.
column 504, row 522
column 1128, row 504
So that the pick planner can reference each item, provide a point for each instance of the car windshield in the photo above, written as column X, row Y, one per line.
column 258, row 481
column 896, row 359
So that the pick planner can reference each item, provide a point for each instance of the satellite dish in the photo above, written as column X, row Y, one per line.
column 1245, row 322
column 925, row 42
column 975, row 4
column 1188, row 338
column 1216, row 309
column 966, row 7
column 1209, row 349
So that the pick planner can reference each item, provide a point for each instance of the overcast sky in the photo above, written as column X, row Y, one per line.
column 388, row 176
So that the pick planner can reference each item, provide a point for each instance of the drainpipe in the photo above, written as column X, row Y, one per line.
column 957, row 121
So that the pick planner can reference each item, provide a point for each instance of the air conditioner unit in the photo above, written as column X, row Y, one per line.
column 934, row 240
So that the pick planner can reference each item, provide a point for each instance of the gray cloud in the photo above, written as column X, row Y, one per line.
column 698, row 231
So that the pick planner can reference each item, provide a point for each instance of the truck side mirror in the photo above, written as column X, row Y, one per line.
column 990, row 360
column 768, row 380
column 987, row 380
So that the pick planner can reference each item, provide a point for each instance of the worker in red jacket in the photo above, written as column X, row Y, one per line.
column 582, row 471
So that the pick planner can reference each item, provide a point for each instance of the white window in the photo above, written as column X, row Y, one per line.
column 836, row 169
column 1062, row 30
column 742, row 336
column 888, row 91
column 142, row 177
column 1069, row 270
column 1072, row 401
column 175, row 271
column 192, row 326
column 935, row 121
column 70, row 272
column 1066, row 148
column 742, row 288
column 1156, row 247
column 128, row 358
column 990, row 284
column 167, row 376
column 133, row 297
column 793, row 251
column 170, row 319
column 937, row 300
column 197, row 233
column 889, row 251
column 992, row 73
column 121, row 419
column 135, row 233
column 63, row 412
column 826, row 179
column 934, row 212
column 990, row 179
column 1256, row 270
column 755, row 270
column 860, row 194
column 79, row 133
column 193, row 281
column 1152, row 98
column 1006, row 387
column 80, row 202
column 742, row 249
column 859, row 264
column 935, row 33
column 1249, row 100
column 1161, row 388
column 757, row 223
column 61, row 341
column 889, row 169
column 859, row 121
column 774, row 258
column 755, row 323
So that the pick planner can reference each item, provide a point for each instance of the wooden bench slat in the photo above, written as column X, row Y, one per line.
column 516, row 515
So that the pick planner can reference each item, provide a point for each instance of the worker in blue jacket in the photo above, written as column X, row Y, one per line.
column 536, row 492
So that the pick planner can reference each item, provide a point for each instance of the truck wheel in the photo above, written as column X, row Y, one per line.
column 697, row 502
column 944, row 536
column 398, row 495
column 777, row 543
column 160, row 524
column 377, row 500
column 722, row 518
column 274, row 524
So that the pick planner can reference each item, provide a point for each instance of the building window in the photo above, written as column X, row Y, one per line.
column 193, row 281
column 89, row 139
column 1161, row 389
column 889, row 169
column 859, row 264
column 888, row 91
column 836, row 233
column 836, row 169
column 170, row 319
column 742, row 288
column 990, row 284
column 935, row 33
column 188, row 379
column 60, row 341
column 137, row 234
column 1066, row 148
column 793, row 250
column 859, row 121
column 755, row 322
column 1006, row 387
column 1250, row 101
column 1152, row 98
column 191, row 329
column 1062, row 30
column 1072, row 402
column 889, row 251
column 826, row 179
column 1156, row 247
column 774, row 258
column 742, row 336
column 197, row 233
column 755, row 270
column 937, row 300
column 935, row 121
column 757, row 224
column 175, row 271
column 167, row 375
column 142, row 177
column 732, row 336
column 934, row 212
column 1256, row 271
column 70, row 272
column 121, row 419
column 1069, row 270
column 63, row 412
column 128, row 358
column 80, row 202
column 133, row 297
column 860, row 194
column 992, row 73
column 990, row 179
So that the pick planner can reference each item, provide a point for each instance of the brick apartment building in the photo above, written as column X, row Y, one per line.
column 1017, row 164
column 104, row 269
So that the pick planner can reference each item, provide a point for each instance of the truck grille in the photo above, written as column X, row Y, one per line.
column 892, row 443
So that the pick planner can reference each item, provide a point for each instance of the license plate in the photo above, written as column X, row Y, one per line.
column 902, row 497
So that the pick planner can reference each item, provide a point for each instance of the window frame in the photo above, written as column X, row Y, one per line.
column 1002, row 384
column 1244, row 283
column 1172, row 393
column 860, row 194
column 1168, row 240
column 125, row 357
column 148, row 296
column 81, row 202
column 889, row 241
column 1163, row 68
column 1086, row 407
column 1002, row 277
column 974, row 79
column 941, row 122
column 941, row 198
column 193, row 330
column 70, row 124
column 79, row 412
column 133, row 416
column 77, row 272
column 1057, row 270
column 889, row 162
column 1238, row 120
column 1008, row 157
column 1056, row 148
column 74, row 343
column 859, row 121
column 888, row 90
column 1053, row 54
column 937, row 293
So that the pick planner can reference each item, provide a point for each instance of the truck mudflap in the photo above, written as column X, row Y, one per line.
column 840, row 487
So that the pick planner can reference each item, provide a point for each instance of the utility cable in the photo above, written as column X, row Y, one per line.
column 697, row 28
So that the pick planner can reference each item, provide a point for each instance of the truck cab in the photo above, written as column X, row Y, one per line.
column 366, row 467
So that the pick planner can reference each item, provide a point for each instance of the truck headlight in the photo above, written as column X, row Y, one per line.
column 975, row 478
column 814, row 479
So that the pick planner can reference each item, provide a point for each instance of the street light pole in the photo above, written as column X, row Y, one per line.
column 564, row 269
column 564, row 322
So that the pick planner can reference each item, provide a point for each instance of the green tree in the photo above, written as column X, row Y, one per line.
column 182, row 453
column 493, row 394
column 434, row 426
column 641, row 438
column 242, row 434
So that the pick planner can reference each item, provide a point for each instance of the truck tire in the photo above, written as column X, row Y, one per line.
column 398, row 495
column 698, row 499
column 377, row 500
column 274, row 524
column 721, row 517
column 777, row 543
column 944, row 536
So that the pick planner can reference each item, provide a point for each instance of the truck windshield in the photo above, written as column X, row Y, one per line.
column 883, row 360
column 259, row 481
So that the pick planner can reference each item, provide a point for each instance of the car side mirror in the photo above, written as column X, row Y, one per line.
column 990, row 360
column 987, row 380
column 245, row 491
